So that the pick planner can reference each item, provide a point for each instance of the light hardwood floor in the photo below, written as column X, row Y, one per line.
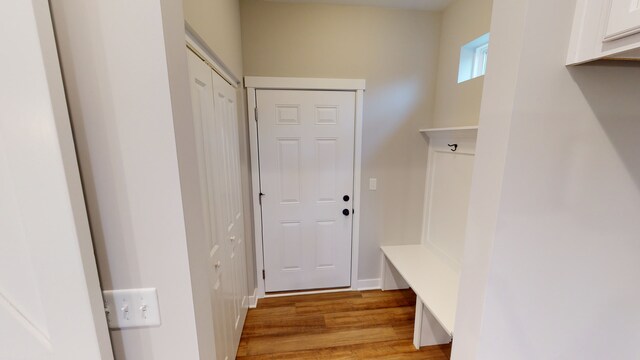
column 344, row 325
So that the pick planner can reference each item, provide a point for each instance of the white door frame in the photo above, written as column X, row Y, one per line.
column 254, row 83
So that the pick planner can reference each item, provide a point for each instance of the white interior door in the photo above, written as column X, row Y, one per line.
column 216, row 125
column 306, row 147
column 50, row 300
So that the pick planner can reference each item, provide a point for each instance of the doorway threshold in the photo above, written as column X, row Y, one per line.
column 306, row 292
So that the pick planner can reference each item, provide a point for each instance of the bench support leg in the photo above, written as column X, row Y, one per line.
column 427, row 331
column 417, row 326
column 391, row 278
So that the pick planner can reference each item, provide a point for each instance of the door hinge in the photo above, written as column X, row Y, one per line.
column 255, row 113
column 260, row 198
column 263, row 276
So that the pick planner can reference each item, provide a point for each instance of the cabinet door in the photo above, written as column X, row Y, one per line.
column 624, row 19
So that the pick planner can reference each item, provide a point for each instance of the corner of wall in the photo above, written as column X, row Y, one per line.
column 507, row 28
column 175, row 49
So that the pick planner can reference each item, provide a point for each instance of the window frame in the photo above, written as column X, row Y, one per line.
column 480, row 61
column 473, row 59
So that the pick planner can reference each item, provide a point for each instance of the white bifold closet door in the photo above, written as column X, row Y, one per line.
column 216, row 124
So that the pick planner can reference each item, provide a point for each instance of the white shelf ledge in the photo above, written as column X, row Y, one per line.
column 462, row 132
column 431, row 278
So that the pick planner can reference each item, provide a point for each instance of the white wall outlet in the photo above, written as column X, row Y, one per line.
column 373, row 184
column 131, row 308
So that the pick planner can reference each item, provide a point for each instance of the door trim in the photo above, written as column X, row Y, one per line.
column 283, row 83
column 199, row 47
column 254, row 83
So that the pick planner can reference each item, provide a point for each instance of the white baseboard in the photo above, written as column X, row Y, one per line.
column 253, row 299
column 369, row 284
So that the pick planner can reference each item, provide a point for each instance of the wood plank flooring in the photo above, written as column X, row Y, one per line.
column 343, row 325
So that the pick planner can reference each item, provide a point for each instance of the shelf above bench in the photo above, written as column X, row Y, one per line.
column 431, row 277
column 451, row 133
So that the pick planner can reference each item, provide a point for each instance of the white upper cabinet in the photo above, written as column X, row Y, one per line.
column 624, row 19
column 605, row 29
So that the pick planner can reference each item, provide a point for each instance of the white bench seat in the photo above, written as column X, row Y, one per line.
column 431, row 277
column 432, row 267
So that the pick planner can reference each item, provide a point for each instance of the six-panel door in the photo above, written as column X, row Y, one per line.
column 306, row 146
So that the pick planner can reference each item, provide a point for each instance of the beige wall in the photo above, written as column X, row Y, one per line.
column 217, row 22
column 396, row 52
column 459, row 104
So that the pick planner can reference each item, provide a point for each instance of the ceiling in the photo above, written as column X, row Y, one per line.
column 433, row 5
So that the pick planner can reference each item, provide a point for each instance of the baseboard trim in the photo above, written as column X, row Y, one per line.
column 253, row 299
column 369, row 284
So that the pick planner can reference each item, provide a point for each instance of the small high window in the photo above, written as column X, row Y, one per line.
column 473, row 58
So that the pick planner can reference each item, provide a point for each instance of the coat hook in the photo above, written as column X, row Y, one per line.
column 453, row 146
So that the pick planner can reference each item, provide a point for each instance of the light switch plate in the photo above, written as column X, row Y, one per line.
column 373, row 184
column 131, row 308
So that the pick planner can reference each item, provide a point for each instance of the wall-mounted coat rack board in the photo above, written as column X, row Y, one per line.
column 431, row 267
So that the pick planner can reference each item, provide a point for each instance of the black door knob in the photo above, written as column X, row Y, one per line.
column 346, row 198
column 346, row 212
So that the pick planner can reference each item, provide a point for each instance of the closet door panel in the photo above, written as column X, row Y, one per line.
column 230, row 203
column 201, row 85
column 217, row 141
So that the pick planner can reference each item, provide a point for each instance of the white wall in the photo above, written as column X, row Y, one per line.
column 561, row 266
column 118, row 67
column 396, row 52
column 486, row 187
column 48, row 273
